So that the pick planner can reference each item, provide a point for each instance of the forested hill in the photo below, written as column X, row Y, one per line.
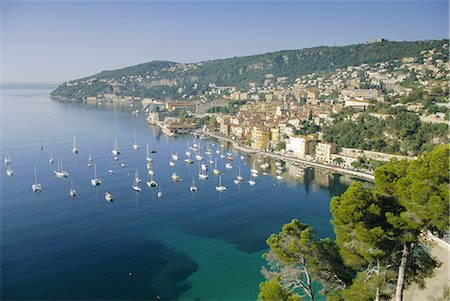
column 163, row 79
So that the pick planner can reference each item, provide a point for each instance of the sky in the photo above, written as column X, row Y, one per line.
column 56, row 41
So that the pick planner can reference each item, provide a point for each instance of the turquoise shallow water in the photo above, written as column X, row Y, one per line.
column 184, row 246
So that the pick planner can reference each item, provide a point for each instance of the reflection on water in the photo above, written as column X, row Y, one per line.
column 182, row 246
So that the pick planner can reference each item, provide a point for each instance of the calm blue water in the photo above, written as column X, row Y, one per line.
column 202, row 246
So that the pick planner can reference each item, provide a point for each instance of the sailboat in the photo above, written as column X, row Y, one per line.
column 148, row 158
column 221, row 188
column 72, row 191
column 204, row 167
column 51, row 158
column 251, row 182
column 36, row 187
column 135, row 145
column 215, row 170
column 239, row 178
column 90, row 159
column 95, row 181
column 188, row 152
column 160, row 194
column 7, row 159
column 175, row 156
column 74, row 146
column 61, row 173
column 193, row 188
column 109, row 197
column 136, row 175
column 115, row 151
column 175, row 177
column 171, row 163
column 188, row 160
column 9, row 171
column 202, row 175
column 136, row 186
column 228, row 165
column 152, row 183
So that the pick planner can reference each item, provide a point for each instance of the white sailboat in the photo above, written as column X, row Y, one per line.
column 221, row 188
column 228, row 165
column 72, row 191
column 109, row 197
column 51, row 158
column 160, row 194
column 135, row 145
column 74, row 146
column 193, row 188
column 36, row 187
column 7, row 159
column 251, row 182
column 136, row 187
column 175, row 156
column 115, row 151
column 171, row 163
column 152, row 183
column 90, row 159
column 95, row 181
column 188, row 160
column 9, row 171
column 204, row 167
column 61, row 173
column 136, row 175
column 239, row 178
column 148, row 158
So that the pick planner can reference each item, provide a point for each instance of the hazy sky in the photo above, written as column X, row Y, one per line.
column 55, row 41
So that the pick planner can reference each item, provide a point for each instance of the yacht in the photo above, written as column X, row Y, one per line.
column 111, row 171
column 198, row 157
column 9, row 172
column 116, row 158
column 135, row 145
column 136, row 186
column 230, row 157
column 193, row 188
column 74, row 146
column 36, row 187
column 109, row 197
column 72, row 191
column 221, row 188
column 171, row 163
column 239, row 177
column 175, row 156
column 51, row 159
column 228, row 165
column 204, row 167
column 175, row 177
column 115, row 150
column 188, row 160
column 251, row 182
column 203, row 176
column 280, row 177
column 215, row 170
column 136, row 175
column 123, row 165
column 61, row 173
column 148, row 158
column 150, row 170
column 7, row 159
column 95, row 181
column 152, row 183
column 160, row 194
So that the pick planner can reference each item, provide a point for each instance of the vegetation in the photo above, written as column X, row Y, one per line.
column 401, row 132
column 165, row 80
column 378, row 249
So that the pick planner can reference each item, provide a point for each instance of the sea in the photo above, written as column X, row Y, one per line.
column 202, row 245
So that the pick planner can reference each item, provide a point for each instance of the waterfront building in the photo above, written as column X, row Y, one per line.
column 324, row 150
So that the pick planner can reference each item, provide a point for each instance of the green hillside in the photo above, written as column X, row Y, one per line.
column 163, row 79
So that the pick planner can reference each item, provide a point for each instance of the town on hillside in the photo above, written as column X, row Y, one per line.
column 355, row 117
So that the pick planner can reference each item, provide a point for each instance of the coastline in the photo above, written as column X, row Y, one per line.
column 340, row 170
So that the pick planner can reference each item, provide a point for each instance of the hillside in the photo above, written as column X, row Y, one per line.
column 165, row 80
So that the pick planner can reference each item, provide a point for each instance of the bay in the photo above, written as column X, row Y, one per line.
column 183, row 246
